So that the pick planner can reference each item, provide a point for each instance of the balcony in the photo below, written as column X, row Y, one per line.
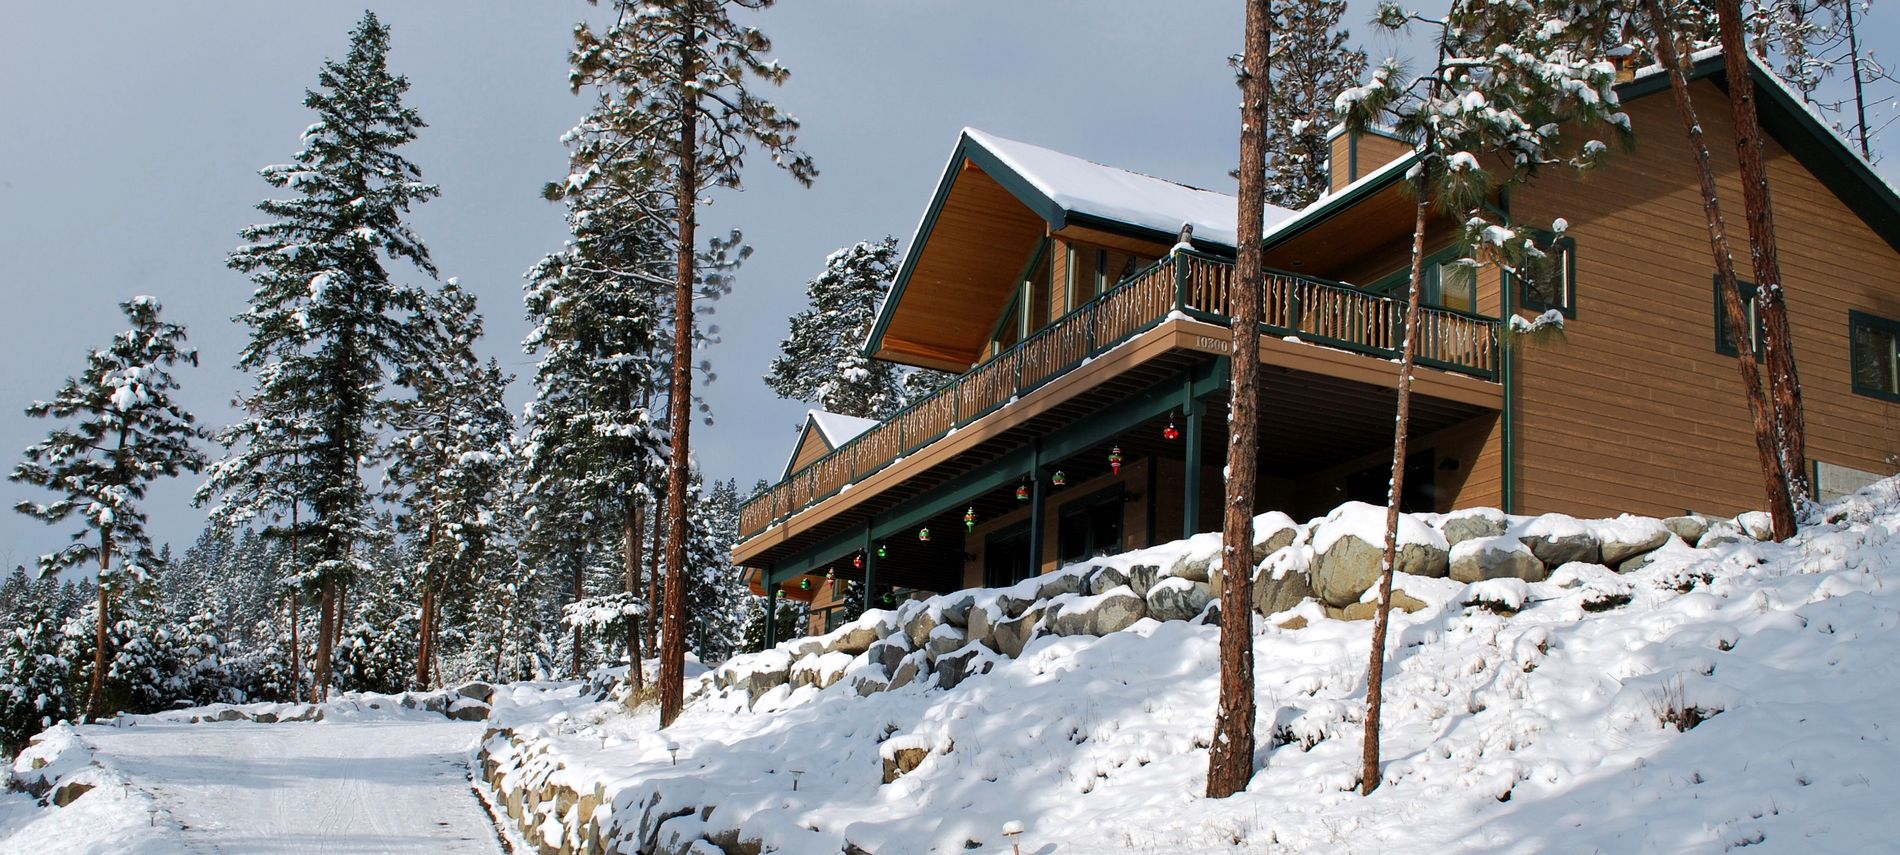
column 1188, row 285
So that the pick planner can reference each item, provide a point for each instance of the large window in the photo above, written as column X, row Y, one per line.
column 1874, row 352
column 1547, row 279
column 1091, row 526
column 1724, row 337
column 1450, row 281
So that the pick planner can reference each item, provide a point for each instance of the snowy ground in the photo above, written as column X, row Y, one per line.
column 1541, row 731
column 368, row 781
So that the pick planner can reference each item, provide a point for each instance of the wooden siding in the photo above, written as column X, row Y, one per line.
column 1374, row 150
column 1631, row 409
column 811, row 446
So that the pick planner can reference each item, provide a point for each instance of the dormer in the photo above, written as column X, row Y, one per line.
column 1018, row 235
column 1355, row 155
column 822, row 434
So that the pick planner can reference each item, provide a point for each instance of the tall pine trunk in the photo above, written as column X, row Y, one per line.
column 95, row 697
column 425, row 644
column 1784, row 383
column 1230, row 758
column 1369, row 776
column 296, row 646
column 680, row 406
column 326, row 623
column 1774, row 480
column 636, row 671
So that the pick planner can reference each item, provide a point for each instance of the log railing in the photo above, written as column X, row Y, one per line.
column 1187, row 283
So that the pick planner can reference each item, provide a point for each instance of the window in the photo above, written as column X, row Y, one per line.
column 1724, row 339
column 1548, row 278
column 1874, row 353
column 1091, row 526
column 1450, row 281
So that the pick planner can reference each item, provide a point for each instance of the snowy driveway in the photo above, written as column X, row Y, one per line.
column 339, row 786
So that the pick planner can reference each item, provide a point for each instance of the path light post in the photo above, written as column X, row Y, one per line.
column 1013, row 829
column 673, row 749
column 795, row 774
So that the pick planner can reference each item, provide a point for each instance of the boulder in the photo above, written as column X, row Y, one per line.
column 913, row 667
column 888, row 653
column 1350, row 565
column 808, row 646
column 1718, row 534
column 1472, row 525
column 1056, row 584
column 265, row 717
column 1495, row 558
column 942, row 640
column 855, row 639
column 1689, row 528
column 1368, row 610
column 900, row 760
column 468, row 709
column 1013, row 605
column 1117, row 610
column 1192, row 567
column 1105, row 579
column 1557, row 540
column 1272, row 596
column 957, row 667
column 1627, row 537
column 982, row 625
column 918, row 628
column 1271, row 537
column 768, row 673
column 228, row 714
column 1011, row 636
column 1177, row 598
column 1294, row 622
column 1757, row 524
column 1141, row 577
column 956, row 609
column 478, row 690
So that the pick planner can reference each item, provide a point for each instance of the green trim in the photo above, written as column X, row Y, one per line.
column 1857, row 319
column 1507, row 377
column 1352, row 157
column 1392, row 285
column 1331, row 206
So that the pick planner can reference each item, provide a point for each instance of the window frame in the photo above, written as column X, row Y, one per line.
column 1432, row 294
column 1750, row 305
column 1546, row 241
column 1855, row 320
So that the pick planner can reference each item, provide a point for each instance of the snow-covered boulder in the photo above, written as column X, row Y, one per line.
column 1056, row 584
column 1720, row 533
column 1626, row 537
column 1273, row 593
column 943, row 639
column 1757, row 524
column 1192, row 567
column 1011, row 636
column 1104, row 579
column 1557, row 539
column 478, row 690
column 1498, row 557
column 1503, row 595
column 1141, row 577
column 1472, row 524
column 888, row 653
column 917, row 628
column 1101, row 614
column 1689, row 528
column 467, row 709
column 766, row 671
column 1272, row 532
column 956, row 608
column 1349, row 548
column 1177, row 598
column 954, row 668
column 914, row 667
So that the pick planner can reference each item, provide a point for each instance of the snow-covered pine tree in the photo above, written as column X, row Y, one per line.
column 716, row 595
column 328, row 322
column 455, row 438
column 1514, row 87
column 122, row 430
column 33, row 675
column 823, row 362
column 685, row 71
column 1313, row 63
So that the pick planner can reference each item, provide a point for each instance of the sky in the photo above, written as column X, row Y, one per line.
column 133, row 133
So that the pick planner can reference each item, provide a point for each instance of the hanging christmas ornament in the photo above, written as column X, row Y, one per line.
column 830, row 575
column 923, row 534
column 1022, row 491
column 1060, row 479
column 1115, row 459
column 881, row 551
column 1170, row 432
column 804, row 584
column 857, row 561
column 969, row 519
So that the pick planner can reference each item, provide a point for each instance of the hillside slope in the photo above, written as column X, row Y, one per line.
column 1546, row 730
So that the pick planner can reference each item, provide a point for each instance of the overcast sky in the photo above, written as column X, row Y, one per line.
column 133, row 133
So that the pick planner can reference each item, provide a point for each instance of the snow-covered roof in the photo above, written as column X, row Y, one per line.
column 1103, row 192
column 837, row 428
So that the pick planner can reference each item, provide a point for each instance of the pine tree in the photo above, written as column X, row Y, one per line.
column 1527, row 82
column 124, row 430
column 823, row 362
column 1313, row 63
column 683, row 68
column 455, row 442
column 328, row 323
column 32, row 674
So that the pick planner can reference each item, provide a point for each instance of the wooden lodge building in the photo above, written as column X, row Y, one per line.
column 1089, row 415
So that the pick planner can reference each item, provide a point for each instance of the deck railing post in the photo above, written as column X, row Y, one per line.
column 1180, row 281
column 771, row 611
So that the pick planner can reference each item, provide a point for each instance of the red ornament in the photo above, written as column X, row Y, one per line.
column 1170, row 432
column 857, row 561
column 1115, row 459
column 1022, row 493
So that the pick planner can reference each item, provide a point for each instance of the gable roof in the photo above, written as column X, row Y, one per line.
column 1064, row 190
column 833, row 429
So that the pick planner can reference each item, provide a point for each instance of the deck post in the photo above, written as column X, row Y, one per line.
column 771, row 613
column 870, row 569
column 1035, row 508
column 1192, row 408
